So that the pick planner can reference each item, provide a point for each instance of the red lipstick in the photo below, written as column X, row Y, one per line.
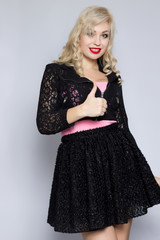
column 95, row 52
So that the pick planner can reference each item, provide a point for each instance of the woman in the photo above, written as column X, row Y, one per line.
column 101, row 179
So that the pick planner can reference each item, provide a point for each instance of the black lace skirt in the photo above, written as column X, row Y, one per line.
column 101, row 178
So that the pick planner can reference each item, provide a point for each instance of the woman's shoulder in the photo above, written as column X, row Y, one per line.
column 55, row 65
column 60, row 70
column 53, row 68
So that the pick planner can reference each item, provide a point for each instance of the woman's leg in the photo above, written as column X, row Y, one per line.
column 123, row 230
column 107, row 233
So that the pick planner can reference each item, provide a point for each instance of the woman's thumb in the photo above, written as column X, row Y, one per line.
column 93, row 91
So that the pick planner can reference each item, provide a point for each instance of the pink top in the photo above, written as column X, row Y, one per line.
column 89, row 124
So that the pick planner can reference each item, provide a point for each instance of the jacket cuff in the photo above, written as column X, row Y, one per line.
column 64, row 118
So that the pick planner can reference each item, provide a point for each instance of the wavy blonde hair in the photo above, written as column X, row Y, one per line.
column 71, row 52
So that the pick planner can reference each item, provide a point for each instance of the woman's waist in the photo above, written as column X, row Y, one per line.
column 86, row 124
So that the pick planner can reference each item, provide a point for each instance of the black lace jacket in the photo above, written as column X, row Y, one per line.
column 62, row 88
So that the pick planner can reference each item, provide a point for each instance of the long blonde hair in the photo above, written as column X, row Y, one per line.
column 71, row 52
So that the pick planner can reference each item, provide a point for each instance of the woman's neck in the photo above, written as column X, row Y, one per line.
column 89, row 64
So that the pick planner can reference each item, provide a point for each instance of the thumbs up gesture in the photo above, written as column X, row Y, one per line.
column 94, row 106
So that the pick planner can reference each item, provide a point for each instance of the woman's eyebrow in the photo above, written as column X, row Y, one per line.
column 103, row 31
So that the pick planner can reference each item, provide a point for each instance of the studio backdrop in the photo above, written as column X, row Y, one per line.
column 32, row 35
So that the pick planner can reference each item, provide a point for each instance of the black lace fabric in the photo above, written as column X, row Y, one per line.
column 51, row 117
column 122, row 118
column 121, row 115
column 100, row 177
column 52, row 109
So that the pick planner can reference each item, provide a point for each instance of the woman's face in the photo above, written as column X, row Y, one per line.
column 94, row 44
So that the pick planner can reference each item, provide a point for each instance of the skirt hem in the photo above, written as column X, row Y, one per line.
column 94, row 228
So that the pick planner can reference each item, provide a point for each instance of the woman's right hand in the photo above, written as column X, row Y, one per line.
column 94, row 106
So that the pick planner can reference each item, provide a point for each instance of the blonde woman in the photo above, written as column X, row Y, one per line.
column 101, row 178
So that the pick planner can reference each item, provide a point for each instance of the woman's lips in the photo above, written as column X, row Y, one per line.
column 95, row 50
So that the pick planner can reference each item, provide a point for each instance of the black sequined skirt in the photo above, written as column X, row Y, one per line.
column 101, row 178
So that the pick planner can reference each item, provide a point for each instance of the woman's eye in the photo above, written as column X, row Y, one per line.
column 105, row 35
column 90, row 34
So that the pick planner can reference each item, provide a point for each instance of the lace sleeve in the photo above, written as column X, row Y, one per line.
column 122, row 118
column 121, row 115
column 51, row 117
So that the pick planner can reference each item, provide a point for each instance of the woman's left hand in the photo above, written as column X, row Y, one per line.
column 158, row 180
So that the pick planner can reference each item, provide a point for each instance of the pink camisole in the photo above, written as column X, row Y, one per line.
column 87, row 124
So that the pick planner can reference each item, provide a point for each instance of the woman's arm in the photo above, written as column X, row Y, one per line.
column 122, row 117
column 51, row 117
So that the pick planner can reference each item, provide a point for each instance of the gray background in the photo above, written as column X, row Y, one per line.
column 32, row 35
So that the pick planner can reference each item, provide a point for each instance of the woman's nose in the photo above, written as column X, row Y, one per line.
column 97, row 40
